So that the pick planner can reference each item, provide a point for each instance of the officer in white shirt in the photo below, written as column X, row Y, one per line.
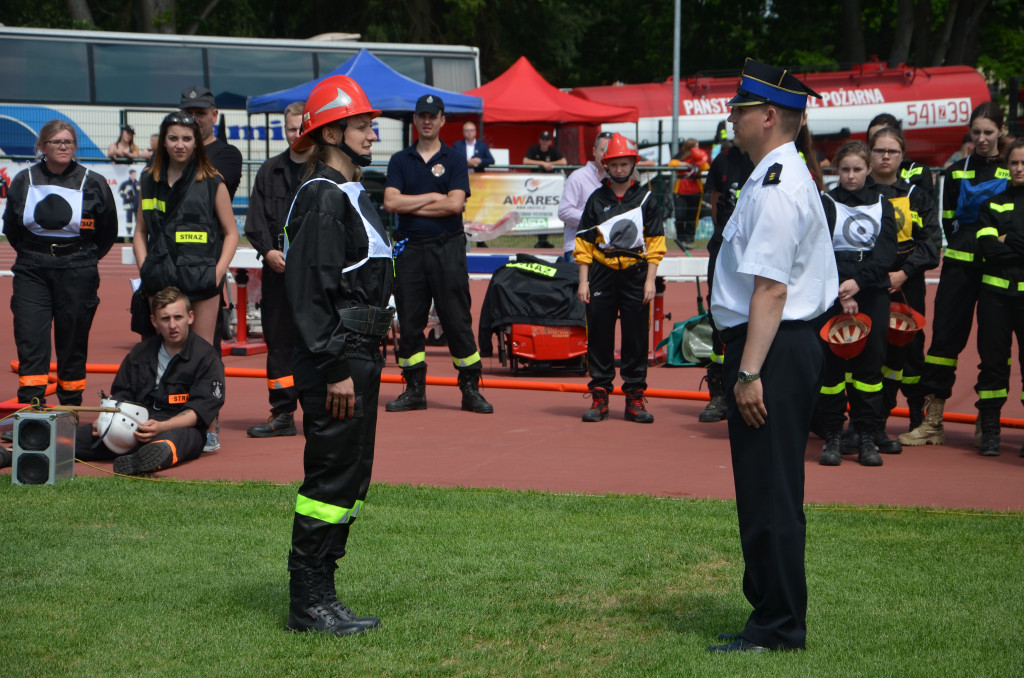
column 774, row 276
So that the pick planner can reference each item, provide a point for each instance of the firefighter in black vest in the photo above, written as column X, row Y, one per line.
column 186, row 235
column 969, row 184
column 1001, row 301
column 271, row 197
column 619, row 244
column 61, row 219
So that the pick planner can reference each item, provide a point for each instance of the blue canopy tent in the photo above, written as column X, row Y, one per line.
column 387, row 89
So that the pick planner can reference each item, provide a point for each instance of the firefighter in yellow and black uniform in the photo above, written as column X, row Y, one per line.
column 619, row 244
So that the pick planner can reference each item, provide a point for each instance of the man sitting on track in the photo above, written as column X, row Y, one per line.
column 178, row 377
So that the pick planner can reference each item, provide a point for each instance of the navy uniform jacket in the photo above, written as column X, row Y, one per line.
column 480, row 150
column 194, row 380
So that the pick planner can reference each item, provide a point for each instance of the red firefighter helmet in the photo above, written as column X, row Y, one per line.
column 333, row 99
column 846, row 334
column 620, row 147
column 904, row 323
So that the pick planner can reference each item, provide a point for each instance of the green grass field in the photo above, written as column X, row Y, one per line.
column 115, row 577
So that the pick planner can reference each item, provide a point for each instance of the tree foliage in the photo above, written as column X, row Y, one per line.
column 590, row 42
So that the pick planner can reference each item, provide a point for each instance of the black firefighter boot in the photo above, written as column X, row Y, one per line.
column 867, row 449
column 989, row 446
column 715, row 410
column 307, row 610
column 340, row 610
column 599, row 407
column 469, row 384
column 635, row 409
column 831, row 454
column 414, row 397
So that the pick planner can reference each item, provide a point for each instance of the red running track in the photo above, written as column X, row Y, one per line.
column 535, row 439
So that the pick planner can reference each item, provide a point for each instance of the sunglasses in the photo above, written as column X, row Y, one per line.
column 61, row 143
column 179, row 119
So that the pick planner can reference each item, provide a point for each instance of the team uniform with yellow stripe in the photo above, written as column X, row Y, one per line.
column 1001, row 301
column 919, row 241
column 185, row 237
column 61, row 226
column 969, row 184
column 618, row 239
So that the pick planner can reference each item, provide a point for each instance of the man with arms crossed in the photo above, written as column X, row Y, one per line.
column 775, row 275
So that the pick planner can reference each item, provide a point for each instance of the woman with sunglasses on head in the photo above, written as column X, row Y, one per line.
column 338, row 281
column 917, row 251
column 186, row 232
column 61, row 218
column 864, row 240
column 968, row 184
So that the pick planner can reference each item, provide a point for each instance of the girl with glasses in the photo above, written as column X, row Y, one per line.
column 918, row 243
column 61, row 218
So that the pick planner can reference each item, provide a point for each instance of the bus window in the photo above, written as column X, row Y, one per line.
column 251, row 72
column 410, row 65
column 329, row 61
column 42, row 71
column 454, row 75
column 145, row 75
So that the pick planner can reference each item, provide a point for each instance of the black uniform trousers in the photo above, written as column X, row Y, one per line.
column 279, row 335
column 617, row 294
column 338, row 456
column 959, row 285
column 186, row 444
column 67, row 299
column 1000, row 316
column 768, row 469
column 863, row 389
column 905, row 364
column 687, row 208
column 434, row 269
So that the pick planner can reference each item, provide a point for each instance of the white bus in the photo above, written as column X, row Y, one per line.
column 99, row 81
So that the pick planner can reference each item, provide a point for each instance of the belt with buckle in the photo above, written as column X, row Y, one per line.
column 53, row 249
column 370, row 321
column 852, row 255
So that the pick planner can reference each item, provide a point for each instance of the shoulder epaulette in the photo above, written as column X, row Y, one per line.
column 774, row 175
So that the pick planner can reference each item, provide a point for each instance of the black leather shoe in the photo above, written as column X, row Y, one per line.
column 5, row 457
column 738, row 646
column 730, row 636
column 282, row 424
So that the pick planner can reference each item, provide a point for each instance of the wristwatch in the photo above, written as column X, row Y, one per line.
column 747, row 377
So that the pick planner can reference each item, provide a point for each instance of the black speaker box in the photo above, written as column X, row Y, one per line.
column 44, row 448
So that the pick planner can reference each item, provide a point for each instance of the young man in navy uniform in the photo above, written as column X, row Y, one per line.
column 427, row 187
column 775, row 275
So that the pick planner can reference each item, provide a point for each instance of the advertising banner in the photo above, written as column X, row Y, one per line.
column 532, row 197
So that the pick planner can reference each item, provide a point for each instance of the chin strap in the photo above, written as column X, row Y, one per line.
column 359, row 159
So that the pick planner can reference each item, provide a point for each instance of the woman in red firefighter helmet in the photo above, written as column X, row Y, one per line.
column 338, row 282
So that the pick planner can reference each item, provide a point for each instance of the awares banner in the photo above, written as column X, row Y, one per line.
column 534, row 197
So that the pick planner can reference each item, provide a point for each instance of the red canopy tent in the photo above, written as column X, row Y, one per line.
column 520, row 103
